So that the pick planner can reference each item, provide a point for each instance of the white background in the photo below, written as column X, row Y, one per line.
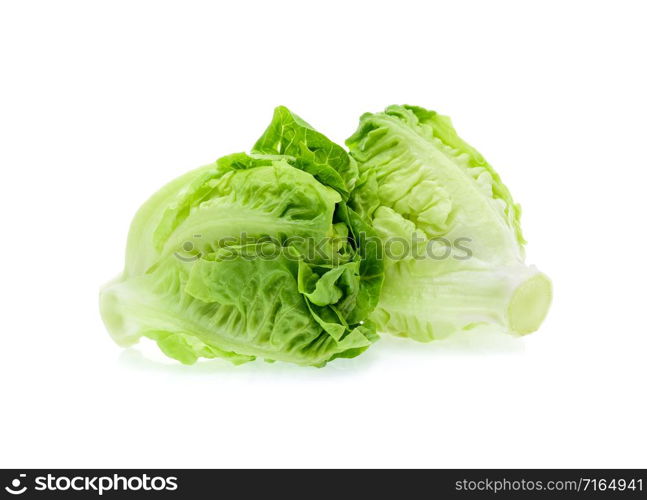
column 104, row 102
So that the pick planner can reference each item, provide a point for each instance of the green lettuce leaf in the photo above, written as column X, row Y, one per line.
column 290, row 135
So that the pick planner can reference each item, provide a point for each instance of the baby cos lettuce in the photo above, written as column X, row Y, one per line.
column 221, row 262
column 421, row 183
column 283, row 253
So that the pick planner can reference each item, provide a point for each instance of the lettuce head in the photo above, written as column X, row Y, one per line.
column 255, row 255
column 453, row 247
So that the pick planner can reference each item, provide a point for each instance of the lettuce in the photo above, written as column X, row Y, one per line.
column 255, row 255
column 302, row 252
column 421, row 185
